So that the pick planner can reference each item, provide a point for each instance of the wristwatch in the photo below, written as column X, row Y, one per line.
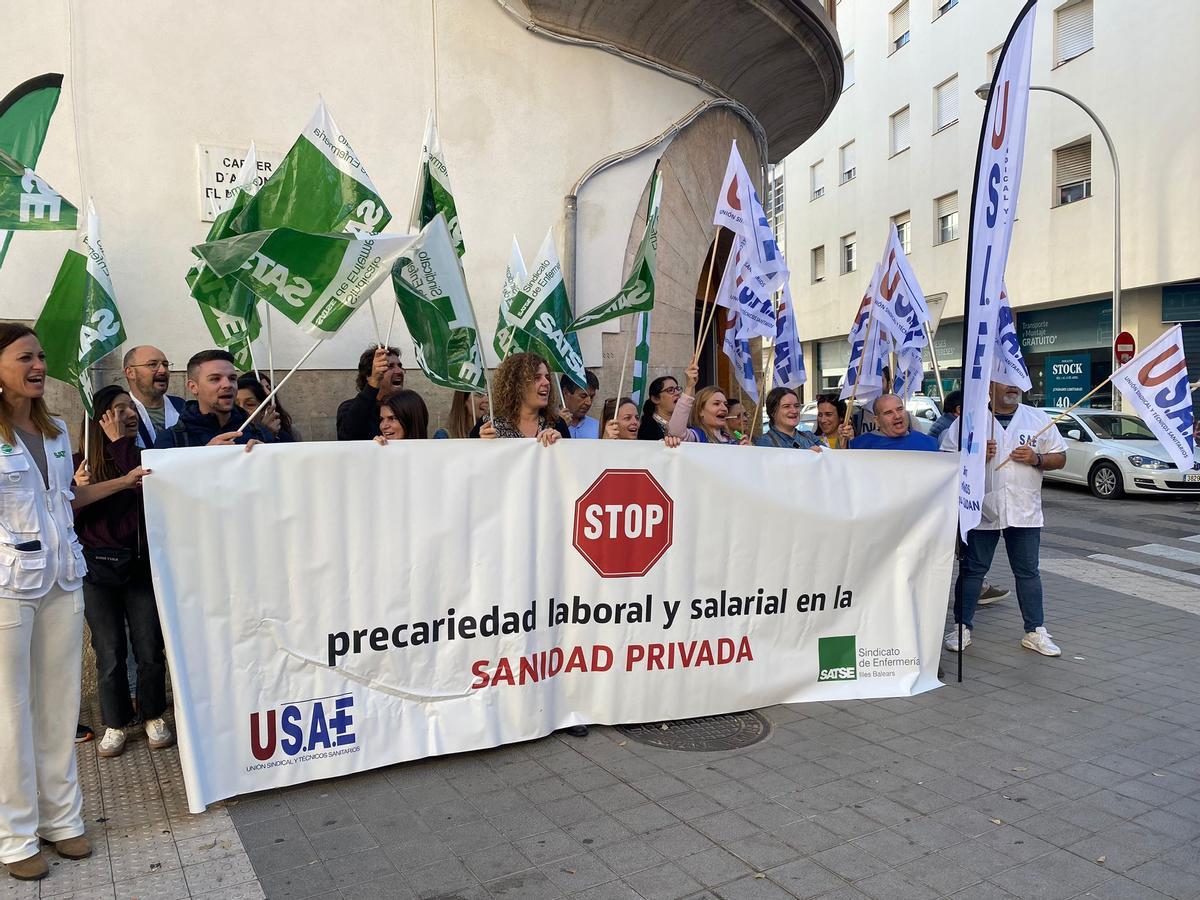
column 1038, row 464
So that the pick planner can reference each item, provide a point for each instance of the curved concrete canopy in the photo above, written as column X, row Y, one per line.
column 779, row 58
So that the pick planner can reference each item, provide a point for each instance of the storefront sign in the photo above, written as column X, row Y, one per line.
column 1084, row 326
column 1068, row 378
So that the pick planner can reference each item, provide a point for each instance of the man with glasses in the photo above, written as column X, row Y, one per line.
column 148, row 372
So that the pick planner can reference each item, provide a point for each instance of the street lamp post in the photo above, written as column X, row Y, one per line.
column 983, row 92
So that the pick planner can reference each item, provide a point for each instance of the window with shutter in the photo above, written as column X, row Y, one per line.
column 1072, row 31
column 993, row 60
column 848, row 77
column 849, row 258
column 946, row 216
column 941, row 7
column 900, row 131
column 903, row 223
column 946, row 104
column 900, row 32
column 818, row 264
column 817, row 175
column 849, row 169
column 1073, row 172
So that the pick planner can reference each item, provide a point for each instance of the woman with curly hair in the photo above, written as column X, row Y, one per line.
column 521, row 402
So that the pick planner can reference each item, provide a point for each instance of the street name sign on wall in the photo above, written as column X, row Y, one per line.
column 220, row 166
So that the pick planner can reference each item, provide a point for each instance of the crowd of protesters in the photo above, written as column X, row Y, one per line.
column 73, row 536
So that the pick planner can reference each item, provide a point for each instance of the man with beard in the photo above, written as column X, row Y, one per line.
column 1012, row 506
column 148, row 374
column 380, row 374
column 213, row 419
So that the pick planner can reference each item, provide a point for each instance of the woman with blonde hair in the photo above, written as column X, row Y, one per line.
column 466, row 411
column 700, row 417
column 522, row 404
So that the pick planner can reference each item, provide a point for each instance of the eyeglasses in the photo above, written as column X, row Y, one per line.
column 672, row 390
column 153, row 364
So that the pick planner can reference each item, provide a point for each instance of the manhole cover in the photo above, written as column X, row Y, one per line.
column 731, row 731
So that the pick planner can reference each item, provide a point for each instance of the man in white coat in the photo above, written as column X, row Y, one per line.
column 149, row 375
column 1012, row 506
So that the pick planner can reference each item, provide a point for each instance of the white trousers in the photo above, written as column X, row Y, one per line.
column 41, row 647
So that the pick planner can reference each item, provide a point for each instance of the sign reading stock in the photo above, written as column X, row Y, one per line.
column 380, row 604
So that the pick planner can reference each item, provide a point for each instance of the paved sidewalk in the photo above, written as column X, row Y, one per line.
column 1035, row 778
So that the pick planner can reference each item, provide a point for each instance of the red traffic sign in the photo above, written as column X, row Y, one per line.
column 1124, row 348
column 623, row 523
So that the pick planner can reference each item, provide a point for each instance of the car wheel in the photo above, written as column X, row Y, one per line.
column 1106, row 482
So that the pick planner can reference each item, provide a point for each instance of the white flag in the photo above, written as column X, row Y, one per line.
column 864, row 371
column 1155, row 383
column 736, row 347
column 747, row 293
column 1009, row 364
column 993, row 207
column 740, row 210
column 789, row 355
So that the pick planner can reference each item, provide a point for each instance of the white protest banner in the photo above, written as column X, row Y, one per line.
column 1155, row 382
column 538, row 588
column 993, row 207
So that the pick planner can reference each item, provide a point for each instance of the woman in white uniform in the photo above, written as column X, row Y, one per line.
column 41, row 617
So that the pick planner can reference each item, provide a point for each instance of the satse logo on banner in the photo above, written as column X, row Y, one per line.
column 836, row 658
column 623, row 523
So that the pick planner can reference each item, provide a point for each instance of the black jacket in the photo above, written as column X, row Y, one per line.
column 650, row 430
column 143, row 428
column 358, row 417
column 195, row 429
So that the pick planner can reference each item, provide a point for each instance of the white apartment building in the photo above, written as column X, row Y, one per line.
column 900, row 147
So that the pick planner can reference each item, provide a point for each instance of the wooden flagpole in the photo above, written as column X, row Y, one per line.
column 1062, row 414
column 706, row 326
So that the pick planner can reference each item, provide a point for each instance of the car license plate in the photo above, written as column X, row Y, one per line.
column 1192, row 477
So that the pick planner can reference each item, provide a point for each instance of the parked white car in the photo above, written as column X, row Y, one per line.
column 1115, row 453
column 922, row 413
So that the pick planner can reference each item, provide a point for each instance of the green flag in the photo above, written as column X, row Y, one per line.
column 433, row 194
column 228, row 307
column 641, row 359
column 24, row 118
column 320, row 186
column 509, row 337
column 28, row 203
column 316, row 280
column 540, row 311
column 80, row 323
column 637, row 295
column 432, row 295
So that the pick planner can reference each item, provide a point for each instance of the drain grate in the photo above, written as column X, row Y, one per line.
column 731, row 731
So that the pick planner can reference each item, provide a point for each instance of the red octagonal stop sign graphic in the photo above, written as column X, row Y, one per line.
column 623, row 523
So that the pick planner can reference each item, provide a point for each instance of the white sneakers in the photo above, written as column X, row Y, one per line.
column 157, row 733
column 1039, row 640
column 952, row 640
column 113, row 742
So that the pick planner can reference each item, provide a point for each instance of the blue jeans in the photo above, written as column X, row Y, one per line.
column 1022, row 546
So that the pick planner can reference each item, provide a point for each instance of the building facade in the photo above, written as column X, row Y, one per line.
column 900, row 147
column 551, row 115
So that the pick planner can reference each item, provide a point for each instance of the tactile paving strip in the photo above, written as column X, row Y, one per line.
column 731, row 731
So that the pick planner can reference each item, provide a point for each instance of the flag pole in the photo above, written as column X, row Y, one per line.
column 768, row 377
column 270, row 346
column 704, row 328
column 275, row 387
column 1062, row 414
column 624, row 363
column 861, row 360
